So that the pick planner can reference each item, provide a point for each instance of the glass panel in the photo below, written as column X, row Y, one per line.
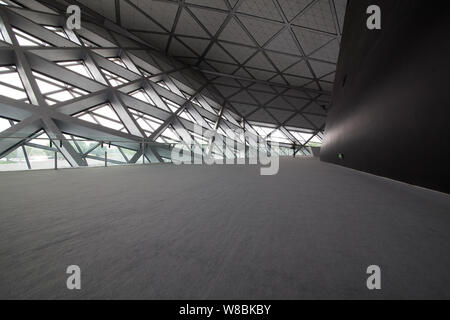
column 56, row 91
column 114, row 79
column 4, row 124
column 142, row 95
column 172, row 105
column 58, row 30
column 103, row 115
column 118, row 61
column 14, row 161
column 148, row 123
column 77, row 66
column 25, row 39
column 278, row 136
column 11, row 85
column 88, row 43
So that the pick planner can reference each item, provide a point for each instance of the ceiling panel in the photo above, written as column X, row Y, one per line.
column 273, row 60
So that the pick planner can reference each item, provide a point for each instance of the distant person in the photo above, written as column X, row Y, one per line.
column 294, row 148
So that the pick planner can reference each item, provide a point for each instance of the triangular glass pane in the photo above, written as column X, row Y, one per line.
column 187, row 116
column 172, row 105
column 145, row 73
column 278, row 136
column 5, row 124
column 170, row 136
column 113, row 78
column 25, row 39
column 14, row 161
column 118, row 61
column 58, row 30
column 57, row 91
column 103, row 115
column 88, row 43
column 11, row 85
column 77, row 66
column 147, row 123
column 142, row 95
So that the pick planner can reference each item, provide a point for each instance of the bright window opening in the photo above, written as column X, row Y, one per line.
column 103, row 115
column 263, row 132
column 78, row 67
column 56, row 91
column 186, row 115
column 113, row 78
column 308, row 138
column 10, row 3
column 88, row 43
column 142, row 95
column 11, row 85
column 163, row 84
column 58, row 30
column 279, row 137
column 172, row 105
column 94, row 152
column 169, row 136
column 148, row 123
column 26, row 40
column 145, row 73
column 35, row 153
column 118, row 61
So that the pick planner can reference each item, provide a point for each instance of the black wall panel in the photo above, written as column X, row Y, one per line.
column 391, row 101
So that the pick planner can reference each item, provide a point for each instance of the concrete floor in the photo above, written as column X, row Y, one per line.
column 220, row 232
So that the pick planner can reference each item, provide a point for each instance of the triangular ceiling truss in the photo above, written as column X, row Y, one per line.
column 105, row 94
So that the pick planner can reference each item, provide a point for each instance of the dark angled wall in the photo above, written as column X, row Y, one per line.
column 391, row 101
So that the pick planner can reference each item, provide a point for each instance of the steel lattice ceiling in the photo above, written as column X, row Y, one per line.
column 106, row 82
column 291, row 43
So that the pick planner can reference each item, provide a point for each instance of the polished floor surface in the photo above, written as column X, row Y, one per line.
column 220, row 232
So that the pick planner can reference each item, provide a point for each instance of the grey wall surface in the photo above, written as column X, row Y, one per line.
column 391, row 104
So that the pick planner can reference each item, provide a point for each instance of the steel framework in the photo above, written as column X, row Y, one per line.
column 75, row 92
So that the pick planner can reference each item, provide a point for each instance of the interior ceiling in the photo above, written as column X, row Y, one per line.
column 105, row 84
column 288, row 42
column 291, row 44
column 273, row 61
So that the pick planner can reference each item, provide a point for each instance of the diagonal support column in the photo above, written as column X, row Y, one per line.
column 155, row 135
column 73, row 157
column 125, row 116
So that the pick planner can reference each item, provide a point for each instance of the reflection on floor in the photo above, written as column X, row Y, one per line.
column 220, row 232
